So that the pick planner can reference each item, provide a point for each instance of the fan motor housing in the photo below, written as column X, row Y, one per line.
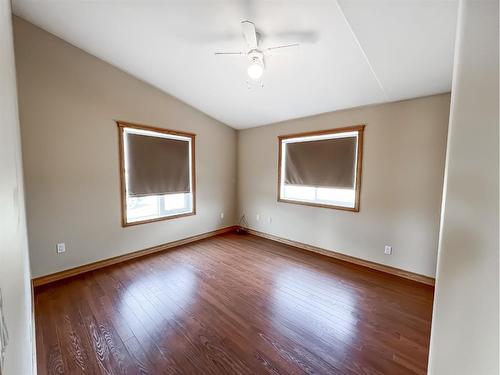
column 256, row 56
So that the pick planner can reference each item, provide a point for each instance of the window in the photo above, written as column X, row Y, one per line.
column 321, row 168
column 156, row 172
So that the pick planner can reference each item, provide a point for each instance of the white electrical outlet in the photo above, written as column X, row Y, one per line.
column 61, row 248
column 222, row 215
column 270, row 220
column 388, row 250
column 257, row 217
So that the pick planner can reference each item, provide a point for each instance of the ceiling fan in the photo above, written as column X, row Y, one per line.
column 254, row 53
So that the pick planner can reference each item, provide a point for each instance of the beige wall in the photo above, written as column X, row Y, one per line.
column 68, row 103
column 403, row 167
column 464, row 338
column 14, row 263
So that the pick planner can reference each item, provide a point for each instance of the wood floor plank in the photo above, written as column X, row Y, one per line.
column 233, row 304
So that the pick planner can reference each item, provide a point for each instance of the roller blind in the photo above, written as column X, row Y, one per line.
column 157, row 166
column 327, row 163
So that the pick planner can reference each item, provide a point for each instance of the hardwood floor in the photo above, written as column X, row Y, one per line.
column 233, row 304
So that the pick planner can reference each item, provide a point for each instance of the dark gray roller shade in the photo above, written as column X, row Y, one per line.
column 157, row 165
column 325, row 163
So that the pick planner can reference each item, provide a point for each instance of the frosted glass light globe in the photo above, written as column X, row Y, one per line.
column 255, row 70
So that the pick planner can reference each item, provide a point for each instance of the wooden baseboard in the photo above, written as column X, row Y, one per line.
column 361, row 262
column 42, row 280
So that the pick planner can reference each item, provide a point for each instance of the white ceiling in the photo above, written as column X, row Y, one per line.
column 353, row 52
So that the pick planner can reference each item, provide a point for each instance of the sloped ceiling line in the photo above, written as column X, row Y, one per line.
column 356, row 39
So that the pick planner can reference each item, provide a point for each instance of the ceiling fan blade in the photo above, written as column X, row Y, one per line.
column 250, row 34
column 283, row 50
column 229, row 53
column 294, row 45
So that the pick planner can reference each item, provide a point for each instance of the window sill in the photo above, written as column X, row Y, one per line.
column 321, row 205
column 132, row 223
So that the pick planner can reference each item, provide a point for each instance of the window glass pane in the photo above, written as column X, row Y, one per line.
column 142, row 208
column 152, row 207
column 174, row 202
column 337, row 197
column 334, row 197
column 299, row 192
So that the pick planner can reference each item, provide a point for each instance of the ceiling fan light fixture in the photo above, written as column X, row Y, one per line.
column 255, row 53
column 255, row 69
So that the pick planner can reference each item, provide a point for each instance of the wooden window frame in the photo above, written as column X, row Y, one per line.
column 122, row 125
column 358, row 128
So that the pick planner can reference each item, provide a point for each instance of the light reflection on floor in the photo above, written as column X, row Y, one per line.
column 315, row 303
column 145, row 304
